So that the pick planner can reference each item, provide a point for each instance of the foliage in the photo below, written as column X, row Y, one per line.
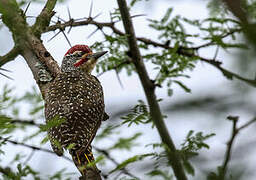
column 138, row 114
column 191, row 146
column 170, row 58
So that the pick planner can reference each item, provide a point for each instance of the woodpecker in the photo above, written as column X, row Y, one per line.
column 76, row 97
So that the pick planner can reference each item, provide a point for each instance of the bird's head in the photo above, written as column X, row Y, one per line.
column 80, row 57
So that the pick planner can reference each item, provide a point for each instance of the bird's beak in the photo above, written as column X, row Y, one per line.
column 90, row 58
column 96, row 55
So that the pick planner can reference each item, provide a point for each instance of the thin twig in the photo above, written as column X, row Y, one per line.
column 29, row 157
column 26, row 122
column 11, row 55
column 229, row 147
column 247, row 124
column 32, row 147
column 183, row 50
column 228, row 74
column 33, row 123
column 212, row 42
column 230, row 143
column 103, row 151
column 239, row 9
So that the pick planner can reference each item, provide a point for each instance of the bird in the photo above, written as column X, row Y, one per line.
column 74, row 107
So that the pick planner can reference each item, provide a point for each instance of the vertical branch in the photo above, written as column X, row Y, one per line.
column 237, row 8
column 149, row 89
column 43, row 20
column 229, row 147
column 28, row 44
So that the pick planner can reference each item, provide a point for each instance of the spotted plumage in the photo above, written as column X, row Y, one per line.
column 75, row 96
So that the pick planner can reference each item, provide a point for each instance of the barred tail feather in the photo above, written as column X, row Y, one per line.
column 84, row 163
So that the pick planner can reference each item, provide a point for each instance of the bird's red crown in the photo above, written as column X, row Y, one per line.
column 79, row 47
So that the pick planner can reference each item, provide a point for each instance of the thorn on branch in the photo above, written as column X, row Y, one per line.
column 71, row 23
column 53, row 36
column 2, row 74
column 66, row 38
column 60, row 19
column 90, row 12
column 71, row 20
column 97, row 15
column 27, row 9
column 90, row 35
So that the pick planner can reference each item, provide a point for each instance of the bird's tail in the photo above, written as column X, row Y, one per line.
column 84, row 161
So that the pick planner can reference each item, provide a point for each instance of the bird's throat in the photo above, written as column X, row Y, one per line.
column 88, row 66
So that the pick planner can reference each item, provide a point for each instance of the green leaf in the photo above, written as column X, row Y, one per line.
column 167, row 15
column 133, row 2
column 97, row 160
column 182, row 86
column 189, row 134
column 106, row 131
column 139, row 114
column 194, row 143
column 126, row 143
column 130, row 160
column 6, row 126
column 32, row 135
column 56, row 121
column 70, row 146
column 36, row 109
column 44, row 140
column 188, row 167
column 160, row 173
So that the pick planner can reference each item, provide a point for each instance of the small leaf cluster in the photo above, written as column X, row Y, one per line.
column 169, row 63
column 8, row 105
column 192, row 144
column 195, row 142
column 139, row 114
column 117, row 47
column 160, row 173
column 22, row 171
column 10, row 121
column 126, row 143
column 130, row 160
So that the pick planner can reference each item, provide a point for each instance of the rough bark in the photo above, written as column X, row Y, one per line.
column 28, row 44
